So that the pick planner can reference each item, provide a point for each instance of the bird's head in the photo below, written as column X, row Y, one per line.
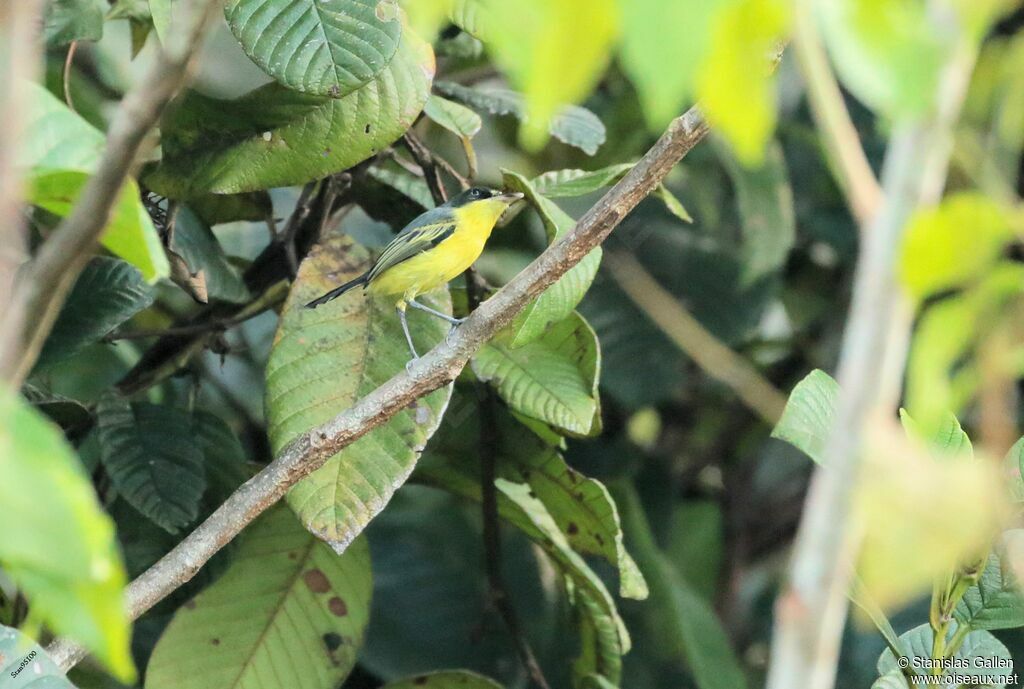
column 491, row 197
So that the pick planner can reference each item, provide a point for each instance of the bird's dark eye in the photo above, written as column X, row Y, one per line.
column 475, row 193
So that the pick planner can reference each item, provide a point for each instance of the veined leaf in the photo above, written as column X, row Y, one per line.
column 153, row 460
column 63, row 554
column 456, row 118
column 949, row 439
column 891, row 680
column 326, row 358
column 559, row 183
column 106, row 294
column 274, row 137
column 25, row 665
column 445, row 679
column 223, row 457
column 287, row 607
column 61, row 150
column 552, row 379
column 980, row 644
column 73, row 20
column 328, row 48
column 580, row 506
column 995, row 602
column 572, row 124
column 807, row 419
column 560, row 299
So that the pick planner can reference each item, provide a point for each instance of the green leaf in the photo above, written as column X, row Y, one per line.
column 807, row 419
column 63, row 554
column 106, row 294
column 554, row 52
column 580, row 506
column 409, row 185
column 976, row 645
column 696, row 536
column 214, row 209
column 572, row 124
column 275, row 137
column 1013, row 466
column 202, row 258
column 735, row 86
column 25, row 665
column 223, row 457
column 765, row 200
column 683, row 622
column 995, row 602
column 73, row 20
column 891, row 680
column 456, row 118
column 153, row 459
column 61, row 150
column 445, row 679
column 287, row 607
column 327, row 48
column 325, row 359
column 645, row 52
column 952, row 244
column 948, row 440
column 887, row 52
column 560, row 299
column 552, row 379
column 561, row 183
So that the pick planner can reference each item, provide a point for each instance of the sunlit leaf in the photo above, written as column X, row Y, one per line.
column 288, row 606
column 326, row 48
column 325, row 359
column 807, row 419
column 275, row 137
column 62, row 555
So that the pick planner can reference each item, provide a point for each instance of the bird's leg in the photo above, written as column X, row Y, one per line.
column 434, row 312
column 405, row 329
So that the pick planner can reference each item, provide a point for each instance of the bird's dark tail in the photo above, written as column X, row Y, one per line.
column 338, row 291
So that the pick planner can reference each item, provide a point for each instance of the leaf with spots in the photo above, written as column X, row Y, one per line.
column 153, row 458
column 324, row 47
column 287, row 612
column 445, row 679
column 560, row 299
column 276, row 137
column 553, row 379
column 325, row 359
column 580, row 506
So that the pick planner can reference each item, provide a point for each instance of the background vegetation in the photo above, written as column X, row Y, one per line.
column 646, row 479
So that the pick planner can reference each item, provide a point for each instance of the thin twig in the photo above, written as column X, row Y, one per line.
column 62, row 257
column 303, row 206
column 849, row 164
column 69, row 62
column 716, row 359
column 421, row 154
column 810, row 611
column 437, row 368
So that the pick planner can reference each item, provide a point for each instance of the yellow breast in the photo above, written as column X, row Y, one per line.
column 449, row 259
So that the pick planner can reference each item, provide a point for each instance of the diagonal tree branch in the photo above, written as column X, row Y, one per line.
column 437, row 368
column 49, row 277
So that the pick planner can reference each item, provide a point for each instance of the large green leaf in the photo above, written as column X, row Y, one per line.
column 287, row 612
column 106, row 294
column 453, row 116
column 275, row 137
column 552, row 379
column 328, row 48
column 995, row 602
column 980, row 652
column 560, row 299
column 73, row 20
column 445, row 679
column 208, row 272
column 580, row 506
column 153, row 459
column 325, row 359
column 807, row 419
column 25, row 665
column 765, row 200
column 61, row 150
column 62, row 554
column 572, row 124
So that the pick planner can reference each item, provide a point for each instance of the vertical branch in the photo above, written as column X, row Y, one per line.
column 811, row 610
column 60, row 260
column 19, row 62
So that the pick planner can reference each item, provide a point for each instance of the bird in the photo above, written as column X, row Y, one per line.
column 433, row 249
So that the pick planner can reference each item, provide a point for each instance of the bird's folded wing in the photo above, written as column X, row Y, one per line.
column 411, row 242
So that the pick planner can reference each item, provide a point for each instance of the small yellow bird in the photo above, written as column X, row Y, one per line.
column 433, row 249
